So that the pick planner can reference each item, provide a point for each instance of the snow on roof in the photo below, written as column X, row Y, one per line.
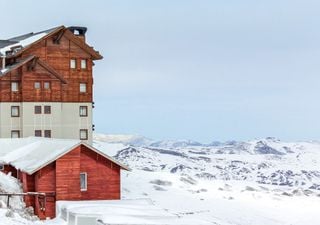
column 31, row 154
column 133, row 212
column 23, row 43
column 23, row 40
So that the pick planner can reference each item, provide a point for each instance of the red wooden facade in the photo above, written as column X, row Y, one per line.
column 60, row 180
column 51, row 56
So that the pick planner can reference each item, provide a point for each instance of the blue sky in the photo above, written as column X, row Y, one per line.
column 203, row 70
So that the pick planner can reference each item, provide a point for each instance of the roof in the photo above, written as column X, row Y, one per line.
column 27, row 40
column 28, row 59
column 31, row 154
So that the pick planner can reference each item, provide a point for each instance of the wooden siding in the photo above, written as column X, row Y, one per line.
column 67, row 176
column 103, row 176
column 45, row 182
column 58, row 57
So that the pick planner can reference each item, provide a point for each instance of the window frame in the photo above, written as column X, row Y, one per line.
column 85, row 181
column 86, row 110
column 35, row 133
column 45, row 132
column 15, row 131
column 35, row 85
column 71, row 63
column 37, row 107
column 85, row 86
column 47, row 107
column 18, row 110
column 86, row 132
column 16, row 89
column 49, row 85
column 83, row 64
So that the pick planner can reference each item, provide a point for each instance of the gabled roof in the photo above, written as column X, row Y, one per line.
column 16, row 65
column 32, row 154
column 40, row 62
column 30, row 39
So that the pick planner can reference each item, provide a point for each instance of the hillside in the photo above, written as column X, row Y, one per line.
column 252, row 182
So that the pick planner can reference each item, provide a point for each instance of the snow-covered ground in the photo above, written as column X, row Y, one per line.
column 256, row 182
column 234, row 183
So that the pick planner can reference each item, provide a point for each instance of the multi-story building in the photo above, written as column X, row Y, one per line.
column 46, row 84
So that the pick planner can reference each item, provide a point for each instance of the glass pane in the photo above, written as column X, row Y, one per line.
column 15, row 134
column 83, row 87
column 83, row 64
column 46, row 85
column 14, row 111
column 37, row 85
column 72, row 63
column 14, row 86
column 83, row 181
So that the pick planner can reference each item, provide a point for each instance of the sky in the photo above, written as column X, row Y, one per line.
column 194, row 69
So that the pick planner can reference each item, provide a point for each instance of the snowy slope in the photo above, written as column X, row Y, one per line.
column 255, row 182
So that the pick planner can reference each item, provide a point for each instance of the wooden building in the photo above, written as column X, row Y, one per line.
column 46, row 84
column 62, row 170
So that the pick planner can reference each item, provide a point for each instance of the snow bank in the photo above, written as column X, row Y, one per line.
column 9, row 184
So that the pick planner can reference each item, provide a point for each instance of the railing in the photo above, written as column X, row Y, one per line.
column 40, row 195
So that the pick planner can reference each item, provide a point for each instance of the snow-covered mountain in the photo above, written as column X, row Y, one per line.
column 260, row 172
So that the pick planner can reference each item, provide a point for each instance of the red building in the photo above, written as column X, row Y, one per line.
column 62, row 170
column 46, row 84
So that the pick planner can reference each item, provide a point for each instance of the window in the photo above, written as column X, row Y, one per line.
column 37, row 133
column 14, row 86
column 83, row 181
column 47, row 133
column 83, row 87
column 83, row 134
column 15, row 134
column 83, row 64
column 46, row 85
column 83, row 111
column 73, row 63
column 37, row 109
column 15, row 112
column 37, row 85
column 47, row 109
column 1, row 167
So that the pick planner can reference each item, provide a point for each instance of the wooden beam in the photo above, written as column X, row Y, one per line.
column 56, row 39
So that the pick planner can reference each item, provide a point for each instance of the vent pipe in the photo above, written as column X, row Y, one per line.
column 3, row 61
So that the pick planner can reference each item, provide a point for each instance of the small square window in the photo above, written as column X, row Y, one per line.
column 47, row 133
column 47, row 109
column 46, row 85
column 14, row 86
column 15, row 112
column 37, row 109
column 37, row 85
column 15, row 134
column 37, row 133
column 73, row 63
column 83, row 87
column 83, row 181
column 83, row 111
column 83, row 64
column 83, row 134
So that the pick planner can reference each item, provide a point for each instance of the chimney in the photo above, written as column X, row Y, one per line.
column 79, row 32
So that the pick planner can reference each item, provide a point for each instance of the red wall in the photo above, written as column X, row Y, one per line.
column 61, row 180
column 103, row 176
